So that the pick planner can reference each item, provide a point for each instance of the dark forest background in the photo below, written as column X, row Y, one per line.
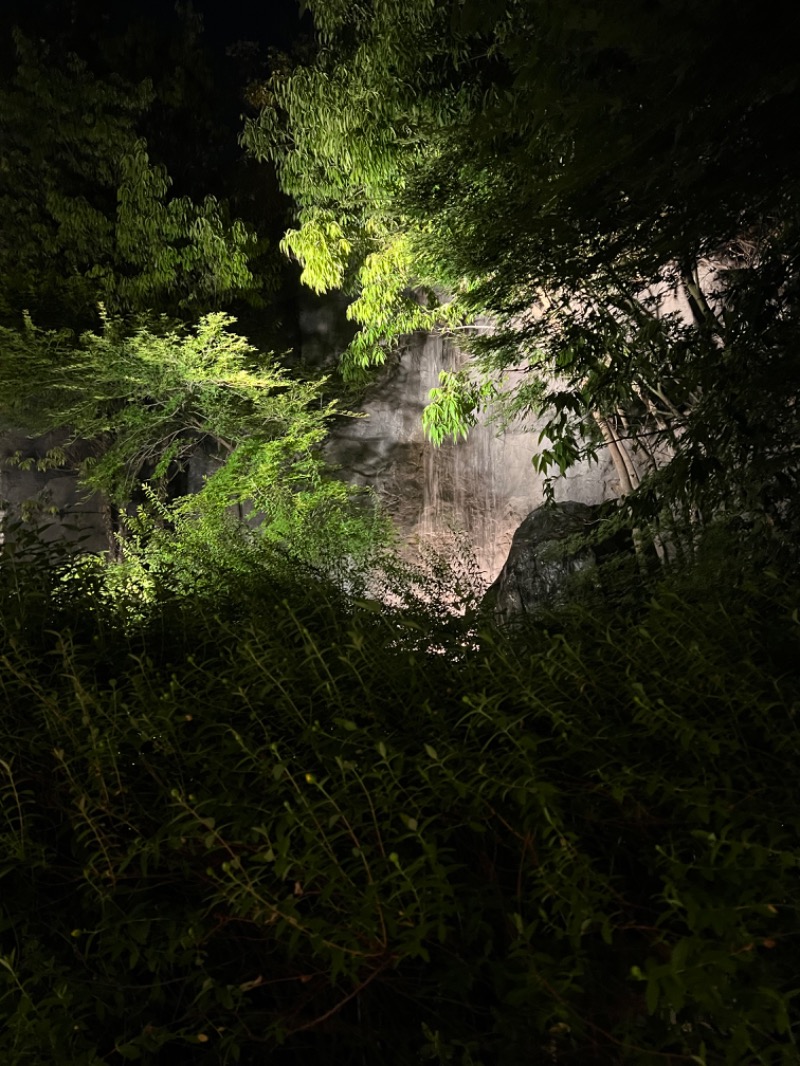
column 267, row 792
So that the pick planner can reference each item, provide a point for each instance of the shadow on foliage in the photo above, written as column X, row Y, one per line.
column 271, row 826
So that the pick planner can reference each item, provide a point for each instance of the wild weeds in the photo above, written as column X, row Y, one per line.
column 269, row 827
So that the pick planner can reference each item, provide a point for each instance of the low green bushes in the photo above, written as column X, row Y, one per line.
column 286, row 827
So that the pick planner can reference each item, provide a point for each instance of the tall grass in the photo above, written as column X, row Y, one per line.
column 270, row 825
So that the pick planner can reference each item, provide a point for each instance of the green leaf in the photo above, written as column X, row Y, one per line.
column 128, row 1051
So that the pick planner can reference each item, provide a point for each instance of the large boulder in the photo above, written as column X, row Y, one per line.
column 544, row 559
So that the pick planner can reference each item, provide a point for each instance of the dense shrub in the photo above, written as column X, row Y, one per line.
column 286, row 827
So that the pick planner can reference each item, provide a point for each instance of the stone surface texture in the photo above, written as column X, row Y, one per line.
column 50, row 498
column 482, row 487
column 540, row 564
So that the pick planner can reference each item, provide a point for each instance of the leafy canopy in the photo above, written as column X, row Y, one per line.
column 139, row 405
column 607, row 185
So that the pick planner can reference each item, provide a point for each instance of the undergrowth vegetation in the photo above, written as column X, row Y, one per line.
column 280, row 824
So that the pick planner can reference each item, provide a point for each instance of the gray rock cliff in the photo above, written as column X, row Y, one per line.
column 482, row 487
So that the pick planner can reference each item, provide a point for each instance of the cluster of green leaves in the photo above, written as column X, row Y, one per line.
column 567, row 171
column 454, row 404
column 703, row 409
column 342, row 130
column 286, row 825
column 139, row 404
column 88, row 214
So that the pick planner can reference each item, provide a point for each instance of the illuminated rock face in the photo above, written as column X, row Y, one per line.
column 49, row 497
column 483, row 487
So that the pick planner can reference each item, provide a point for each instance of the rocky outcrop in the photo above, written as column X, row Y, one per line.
column 544, row 560
column 482, row 487
column 478, row 490
column 45, row 496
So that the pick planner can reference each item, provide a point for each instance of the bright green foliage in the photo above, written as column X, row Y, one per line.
column 280, row 826
column 453, row 405
column 87, row 214
column 343, row 133
column 142, row 403
column 563, row 168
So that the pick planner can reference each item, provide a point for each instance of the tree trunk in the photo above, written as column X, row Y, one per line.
column 626, row 472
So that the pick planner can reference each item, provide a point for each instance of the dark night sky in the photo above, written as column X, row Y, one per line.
column 275, row 22
column 271, row 22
